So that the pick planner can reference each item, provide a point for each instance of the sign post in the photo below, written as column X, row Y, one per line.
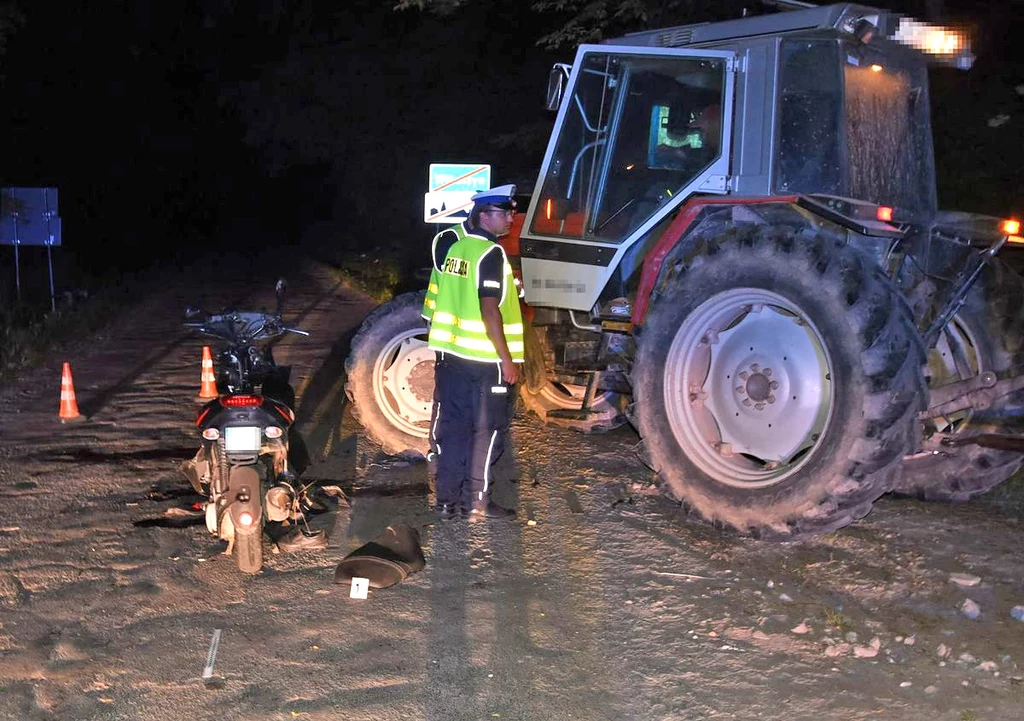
column 449, row 189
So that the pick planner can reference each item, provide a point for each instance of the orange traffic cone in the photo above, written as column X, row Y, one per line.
column 68, row 402
column 208, row 382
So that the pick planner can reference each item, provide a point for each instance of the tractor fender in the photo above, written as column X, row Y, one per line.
column 680, row 233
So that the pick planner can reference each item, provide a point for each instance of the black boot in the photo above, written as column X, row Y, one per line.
column 448, row 511
column 298, row 539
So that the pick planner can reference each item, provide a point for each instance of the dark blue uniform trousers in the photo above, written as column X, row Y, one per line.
column 471, row 413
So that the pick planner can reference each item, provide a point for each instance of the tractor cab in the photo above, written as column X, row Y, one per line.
column 638, row 129
column 830, row 101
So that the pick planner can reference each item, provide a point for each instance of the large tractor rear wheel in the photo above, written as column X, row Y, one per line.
column 986, row 335
column 777, row 382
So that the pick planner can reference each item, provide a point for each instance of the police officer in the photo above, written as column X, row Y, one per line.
column 476, row 329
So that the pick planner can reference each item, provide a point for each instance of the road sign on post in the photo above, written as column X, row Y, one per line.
column 29, row 216
column 449, row 189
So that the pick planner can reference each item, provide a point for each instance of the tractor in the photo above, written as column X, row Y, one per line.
column 734, row 245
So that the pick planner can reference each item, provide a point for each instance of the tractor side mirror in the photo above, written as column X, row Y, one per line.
column 558, row 78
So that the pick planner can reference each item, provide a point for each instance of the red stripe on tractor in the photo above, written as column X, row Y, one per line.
column 690, row 211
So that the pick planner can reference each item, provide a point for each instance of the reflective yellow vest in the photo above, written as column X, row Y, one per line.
column 452, row 304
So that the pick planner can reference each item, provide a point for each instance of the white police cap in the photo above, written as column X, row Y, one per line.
column 500, row 197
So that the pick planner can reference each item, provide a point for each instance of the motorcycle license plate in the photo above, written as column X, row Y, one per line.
column 242, row 438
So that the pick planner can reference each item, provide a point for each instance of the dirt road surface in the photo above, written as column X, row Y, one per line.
column 611, row 606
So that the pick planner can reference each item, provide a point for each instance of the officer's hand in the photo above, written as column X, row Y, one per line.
column 509, row 372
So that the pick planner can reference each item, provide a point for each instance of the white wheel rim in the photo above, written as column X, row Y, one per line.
column 403, row 382
column 748, row 389
column 943, row 369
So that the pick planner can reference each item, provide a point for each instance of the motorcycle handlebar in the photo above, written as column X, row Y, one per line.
column 240, row 325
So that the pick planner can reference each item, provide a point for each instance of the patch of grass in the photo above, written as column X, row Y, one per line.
column 28, row 335
column 381, row 278
column 836, row 620
column 968, row 715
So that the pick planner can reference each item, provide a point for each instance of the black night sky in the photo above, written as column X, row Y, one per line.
column 171, row 126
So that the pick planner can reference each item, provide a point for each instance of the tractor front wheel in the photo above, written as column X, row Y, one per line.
column 390, row 374
column 606, row 411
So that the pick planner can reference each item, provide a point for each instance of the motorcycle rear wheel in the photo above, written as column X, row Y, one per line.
column 248, row 550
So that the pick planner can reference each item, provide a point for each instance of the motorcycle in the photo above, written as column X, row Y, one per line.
column 245, row 466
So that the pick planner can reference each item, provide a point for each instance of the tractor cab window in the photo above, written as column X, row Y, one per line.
column 637, row 130
column 853, row 120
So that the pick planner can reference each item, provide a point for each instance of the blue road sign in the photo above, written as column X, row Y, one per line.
column 28, row 216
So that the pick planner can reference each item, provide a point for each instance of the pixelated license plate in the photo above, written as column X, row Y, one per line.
column 242, row 438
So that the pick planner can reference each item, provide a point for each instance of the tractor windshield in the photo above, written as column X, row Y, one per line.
column 637, row 130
